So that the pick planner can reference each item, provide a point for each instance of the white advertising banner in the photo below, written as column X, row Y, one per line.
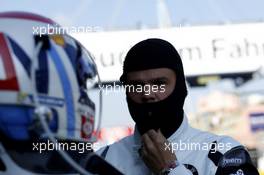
column 218, row 49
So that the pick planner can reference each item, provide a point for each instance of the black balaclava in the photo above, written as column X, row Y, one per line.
column 166, row 114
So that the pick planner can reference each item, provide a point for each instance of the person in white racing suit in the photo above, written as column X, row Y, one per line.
column 163, row 141
column 46, row 114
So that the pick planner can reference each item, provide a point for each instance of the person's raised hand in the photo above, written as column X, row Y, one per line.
column 154, row 152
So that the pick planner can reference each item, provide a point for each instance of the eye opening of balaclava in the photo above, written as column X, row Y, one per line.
column 166, row 114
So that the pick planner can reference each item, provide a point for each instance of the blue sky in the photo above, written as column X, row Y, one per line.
column 131, row 13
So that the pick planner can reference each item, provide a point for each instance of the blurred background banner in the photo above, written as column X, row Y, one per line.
column 221, row 44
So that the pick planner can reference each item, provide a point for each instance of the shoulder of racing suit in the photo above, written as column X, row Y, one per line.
column 232, row 159
column 235, row 161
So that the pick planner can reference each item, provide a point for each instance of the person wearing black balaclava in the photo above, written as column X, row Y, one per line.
column 161, row 126
column 153, row 54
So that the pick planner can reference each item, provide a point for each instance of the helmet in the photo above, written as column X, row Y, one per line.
column 41, row 74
